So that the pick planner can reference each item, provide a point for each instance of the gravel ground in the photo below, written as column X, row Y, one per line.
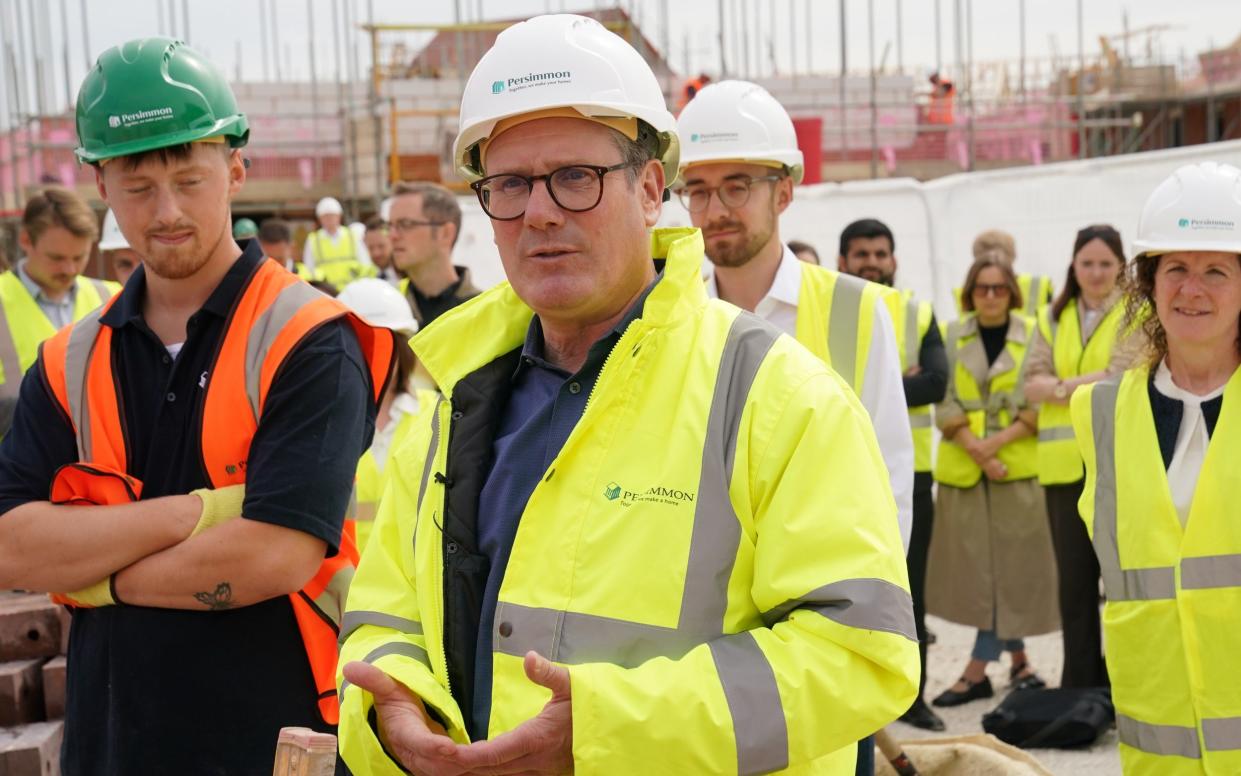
column 946, row 661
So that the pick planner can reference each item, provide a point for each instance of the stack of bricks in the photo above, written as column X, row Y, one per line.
column 34, row 635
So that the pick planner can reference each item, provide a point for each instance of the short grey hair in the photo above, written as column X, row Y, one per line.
column 636, row 153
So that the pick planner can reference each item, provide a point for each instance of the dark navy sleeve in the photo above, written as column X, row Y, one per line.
column 39, row 442
column 317, row 421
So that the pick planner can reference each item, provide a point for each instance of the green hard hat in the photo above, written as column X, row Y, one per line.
column 244, row 229
column 154, row 93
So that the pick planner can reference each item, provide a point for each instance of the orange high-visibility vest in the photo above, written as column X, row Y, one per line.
column 272, row 315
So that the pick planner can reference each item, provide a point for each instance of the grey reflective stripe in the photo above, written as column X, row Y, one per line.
column 395, row 648
column 1149, row 584
column 1158, row 739
column 102, row 289
column 912, row 343
column 843, row 327
column 920, row 420
column 1221, row 734
column 431, row 451
column 1055, row 434
column 868, row 604
column 717, row 530
column 77, row 360
column 356, row 619
column 266, row 328
column 1211, row 571
column 1036, row 294
column 753, row 696
column 331, row 602
column 8, row 359
column 570, row 637
column 971, row 405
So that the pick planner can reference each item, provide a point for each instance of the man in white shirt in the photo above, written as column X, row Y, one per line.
column 739, row 164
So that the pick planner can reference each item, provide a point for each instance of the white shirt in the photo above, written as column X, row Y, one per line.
column 1191, row 440
column 342, row 233
column 404, row 404
column 883, row 390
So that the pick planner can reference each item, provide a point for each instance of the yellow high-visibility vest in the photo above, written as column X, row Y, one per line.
column 1059, row 462
column 836, row 320
column 337, row 261
column 991, row 410
column 26, row 327
column 372, row 479
column 1173, row 593
column 674, row 557
column 911, row 320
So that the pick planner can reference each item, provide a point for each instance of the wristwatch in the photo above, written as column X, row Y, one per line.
column 1061, row 392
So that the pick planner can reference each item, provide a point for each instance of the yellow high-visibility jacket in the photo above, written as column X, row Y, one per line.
column 1173, row 593
column 25, row 326
column 713, row 554
column 337, row 262
column 1059, row 463
column 911, row 320
column 372, row 478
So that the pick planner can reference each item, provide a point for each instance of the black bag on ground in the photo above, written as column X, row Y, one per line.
column 1058, row 719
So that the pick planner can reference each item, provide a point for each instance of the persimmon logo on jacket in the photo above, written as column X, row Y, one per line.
column 656, row 494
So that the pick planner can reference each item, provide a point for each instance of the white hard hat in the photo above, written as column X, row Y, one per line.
column 112, row 239
column 1197, row 208
column 560, row 61
column 738, row 121
column 379, row 304
column 328, row 206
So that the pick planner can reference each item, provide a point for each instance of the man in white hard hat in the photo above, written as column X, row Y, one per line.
column 333, row 252
column 645, row 532
column 739, row 164
column 118, row 257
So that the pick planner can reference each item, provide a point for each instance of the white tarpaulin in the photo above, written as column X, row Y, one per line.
column 935, row 222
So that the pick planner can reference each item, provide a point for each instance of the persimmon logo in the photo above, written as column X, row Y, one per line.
column 656, row 494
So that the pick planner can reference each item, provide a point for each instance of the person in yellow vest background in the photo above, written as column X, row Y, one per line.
column 991, row 561
column 644, row 531
column 1036, row 290
column 424, row 222
column 120, row 259
column 45, row 290
column 379, row 304
column 868, row 250
column 333, row 252
column 1079, row 340
column 1161, row 444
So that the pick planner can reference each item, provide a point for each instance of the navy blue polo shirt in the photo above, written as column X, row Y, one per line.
column 543, row 408
column 169, row 691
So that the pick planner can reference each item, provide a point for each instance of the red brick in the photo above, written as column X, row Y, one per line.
column 31, row 750
column 54, row 687
column 30, row 626
column 21, row 692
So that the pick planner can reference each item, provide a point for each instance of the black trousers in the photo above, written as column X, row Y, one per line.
column 1079, row 589
column 919, row 547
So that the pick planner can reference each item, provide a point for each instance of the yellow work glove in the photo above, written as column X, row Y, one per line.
column 98, row 594
column 219, row 506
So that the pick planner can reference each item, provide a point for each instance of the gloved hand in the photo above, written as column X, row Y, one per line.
column 219, row 506
column 98, row 594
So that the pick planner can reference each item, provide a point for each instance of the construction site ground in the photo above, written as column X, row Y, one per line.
column 945, row 663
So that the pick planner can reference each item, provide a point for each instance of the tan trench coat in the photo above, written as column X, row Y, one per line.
column 991, row 562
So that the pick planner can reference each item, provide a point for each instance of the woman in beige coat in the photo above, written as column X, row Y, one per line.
column 991, row 563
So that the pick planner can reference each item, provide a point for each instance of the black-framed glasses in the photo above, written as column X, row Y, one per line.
column 410, row 224
column 998, row 290
column 733, row 193
column 576, row 188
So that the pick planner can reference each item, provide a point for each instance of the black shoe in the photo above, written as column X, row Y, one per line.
column 931, row 638
column 973, row 691
column 1030, row 681
column 921, row 716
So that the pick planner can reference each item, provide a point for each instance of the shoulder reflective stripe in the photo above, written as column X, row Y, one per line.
column 717, row 530
column 9, row 361
column 102, row 289
column 77, row 360
column 868, row 604
column 1211, row 571
column 1055, row 434
column 759, row 727
column 356, row 619
column 402, row 648
column 1158, row 739
column 265, row 330
column 842, row 327
column 571, row 637
column 913, row 343
column 921, row 420
column 1149, row 584
column 1221, row 734
column 1036, row 294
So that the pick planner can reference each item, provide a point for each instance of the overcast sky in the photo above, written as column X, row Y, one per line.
column 231, row 31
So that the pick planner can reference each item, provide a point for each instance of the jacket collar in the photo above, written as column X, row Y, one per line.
column 496, row 322
column 973, row 356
